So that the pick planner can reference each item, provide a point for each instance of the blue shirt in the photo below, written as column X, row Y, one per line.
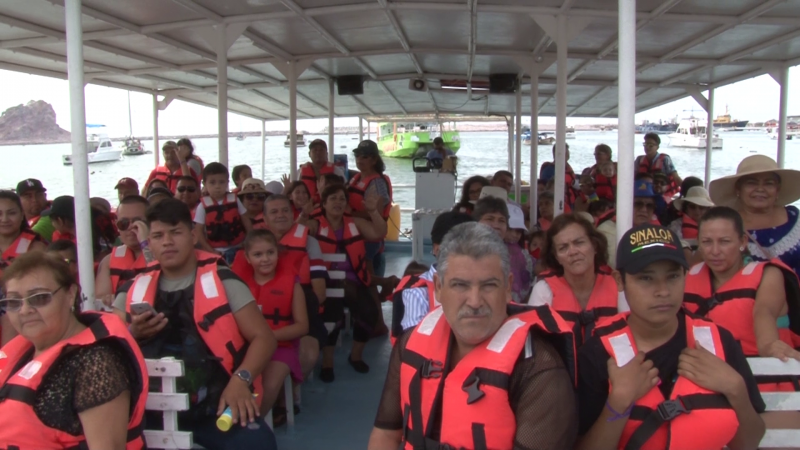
column 434, row 154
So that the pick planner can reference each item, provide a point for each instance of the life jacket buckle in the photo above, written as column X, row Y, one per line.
column 588, row 316
column 431, row 369
column 670, row 409
column 472, row 388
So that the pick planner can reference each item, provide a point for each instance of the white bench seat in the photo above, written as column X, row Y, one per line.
column 778, row 401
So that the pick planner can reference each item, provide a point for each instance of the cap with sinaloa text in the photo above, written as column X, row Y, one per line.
column 31, row 184
column 129, row 183
column 646, row 244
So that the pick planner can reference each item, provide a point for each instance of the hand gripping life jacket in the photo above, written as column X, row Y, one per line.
column 475, row 409
column 644, row 165
column 124, row 266
column 692, row 418
column 162, row 173
column 212, row 314
column 358, row 188
column 353, row 244
column 20, row 428
column 602, row 302
column 731, row 306
column 274, row 298
column 20, row 246
column 224, row 226
column 309, row 177
column 398, row 307
column 605, row 187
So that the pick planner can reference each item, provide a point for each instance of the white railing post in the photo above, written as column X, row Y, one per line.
column 784, row 105
column 222, row 94
column 292, row 72
column 534, row 191
column 627, row 112
column 331, row 100
column 263, row 150
column 518, row 143
column 561, row 115
column 709, row 136
column 156, row 148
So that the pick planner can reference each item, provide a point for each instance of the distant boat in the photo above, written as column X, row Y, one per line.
column 407, row 140
column 691, row 133
column 570, row 133
column 133, row 147
column 240, row 137
column 98, row 148
column 301, row 141
column 725, row 121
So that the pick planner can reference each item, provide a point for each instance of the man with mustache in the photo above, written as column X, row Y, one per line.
column 466, row 376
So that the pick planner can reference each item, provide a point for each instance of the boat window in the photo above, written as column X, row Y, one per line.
column 105, row 144
column 91, row 147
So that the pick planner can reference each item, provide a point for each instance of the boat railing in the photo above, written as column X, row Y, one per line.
column 778, row 401
column 169, row 402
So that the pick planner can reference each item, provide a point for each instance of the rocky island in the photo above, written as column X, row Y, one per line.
column 33, row 123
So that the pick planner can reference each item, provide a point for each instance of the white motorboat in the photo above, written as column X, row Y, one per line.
column 133, row 147
column 570, row 133
column 98, row 149
column 691, row 133
column 301, row 141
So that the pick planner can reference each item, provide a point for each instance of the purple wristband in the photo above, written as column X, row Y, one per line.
column 616, row 416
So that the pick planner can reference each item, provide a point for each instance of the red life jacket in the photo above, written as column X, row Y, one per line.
column 309, row 177
column 274, row 298
column 224, row 226
column 20, row 246
column 569, row 181
column 20, row 427
column 688, row 227
column 693, row 418
column 353, row 243
column 605, row 188
column 358, row 188
column 258, row 222
column 293, row 254
column 602, row 302
column 59, row 236
column 731, row 306
column 475, row 409
column 123, row 266
column 398, row 308
column 212, row 313
column 34, row 221
column 163, row 173
column 644, row 165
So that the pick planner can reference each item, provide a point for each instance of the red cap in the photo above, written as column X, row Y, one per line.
column 127, row 183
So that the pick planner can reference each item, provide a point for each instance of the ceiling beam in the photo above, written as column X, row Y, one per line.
column 472, row 45
column 583, row 103
column 401, row 36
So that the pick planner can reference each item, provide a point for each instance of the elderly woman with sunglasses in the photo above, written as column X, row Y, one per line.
column 129, row 259
column 188, row 191
column 70, row 380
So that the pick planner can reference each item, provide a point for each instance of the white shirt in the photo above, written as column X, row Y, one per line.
column 416, row 302
column 543, row 295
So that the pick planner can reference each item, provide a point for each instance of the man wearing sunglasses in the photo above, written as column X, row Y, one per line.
column 644, row 206
column 129, row 259
column 188, row 191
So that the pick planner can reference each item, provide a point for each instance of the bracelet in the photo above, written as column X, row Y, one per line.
column 616, row 416
column 144, row 244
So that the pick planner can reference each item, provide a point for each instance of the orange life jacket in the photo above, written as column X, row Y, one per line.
column 258, row 222
column 274, row 298
column 731, row 306
column 475, row 409
column 644, row 165
column 123, row 266
column 605, row 187
column 34, row 221
column 693, row 418
column 358, row 188
column 353, row 243
column 59, row 236
column 602, row 302
column 688, row 227
column 571, row 194
column 398, row 308
column 224, row 226
column 212, row 313
column 20, row 246
column 162, row 173
column 293, row 253
column 20, row 427
column 309, row 177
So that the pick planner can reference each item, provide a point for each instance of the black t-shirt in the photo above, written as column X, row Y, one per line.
column 593, row 380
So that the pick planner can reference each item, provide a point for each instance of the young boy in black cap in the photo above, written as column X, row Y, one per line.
column 657, row 378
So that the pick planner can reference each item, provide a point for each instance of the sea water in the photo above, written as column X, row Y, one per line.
column 481, row 153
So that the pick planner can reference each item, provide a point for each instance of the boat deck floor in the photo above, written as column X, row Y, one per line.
column 339, row 415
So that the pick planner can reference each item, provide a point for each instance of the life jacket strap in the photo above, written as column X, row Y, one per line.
column 483, row 376
column 427, row 368
column 22, row 394
column 276, row 317
column 213, row 315
column 705, row 305
column 652, row 419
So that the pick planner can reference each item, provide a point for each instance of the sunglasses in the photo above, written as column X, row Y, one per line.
column 644, row 205
column 190, row 189
column 260, row 197
column 39, row 300
column 124, row 224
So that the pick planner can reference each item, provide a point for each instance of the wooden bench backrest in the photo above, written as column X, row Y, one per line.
column 169, row 402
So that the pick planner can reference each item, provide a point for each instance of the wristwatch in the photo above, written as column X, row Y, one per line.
column 245, row 376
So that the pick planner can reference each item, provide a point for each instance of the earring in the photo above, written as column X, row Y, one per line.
column 741, row 249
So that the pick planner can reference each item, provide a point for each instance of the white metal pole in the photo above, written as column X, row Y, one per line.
column 369, row 131
column 561, row 115
column 360, row 129
column 510, row 126
column 156, row 148
column 331, row 100
column 784, row 105
column 80, row 161
column 263, row 149
column 626, row 112
column 293, row 121
column 222, row 95
column 518, row 153
column 534, row 194
column 709, row 136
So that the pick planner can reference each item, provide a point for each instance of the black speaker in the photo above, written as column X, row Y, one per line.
column 350, row 85
column 503, row 83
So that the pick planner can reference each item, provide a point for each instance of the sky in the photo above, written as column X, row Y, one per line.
column 756, row 100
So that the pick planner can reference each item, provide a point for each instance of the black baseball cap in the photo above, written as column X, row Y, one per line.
column 62, row 208
column 31, row 184
column 367, row 148
column 646, row 244
column 317, row 142
column 438, row 140
column 446, row 222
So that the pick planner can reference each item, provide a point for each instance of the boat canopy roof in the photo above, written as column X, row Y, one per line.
column 167, row 47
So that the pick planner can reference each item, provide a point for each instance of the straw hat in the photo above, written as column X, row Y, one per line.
column 252, row 186
column 697, row 195
column 723, row 190
column 494, row 191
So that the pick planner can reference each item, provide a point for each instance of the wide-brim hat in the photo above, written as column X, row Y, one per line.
column 252, row 186
column 723, row 190
column 697, row 195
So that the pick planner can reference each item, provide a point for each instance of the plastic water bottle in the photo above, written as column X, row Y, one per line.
column 225, row 421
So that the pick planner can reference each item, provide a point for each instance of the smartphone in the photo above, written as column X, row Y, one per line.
column 141, row 308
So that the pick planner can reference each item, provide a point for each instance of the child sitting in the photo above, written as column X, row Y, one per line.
column 240, row 174
column 606, row 181
column 587, row 195
column 281, row 300
column 222, row 220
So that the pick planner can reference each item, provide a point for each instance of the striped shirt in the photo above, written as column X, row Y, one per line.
column 416, row 302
